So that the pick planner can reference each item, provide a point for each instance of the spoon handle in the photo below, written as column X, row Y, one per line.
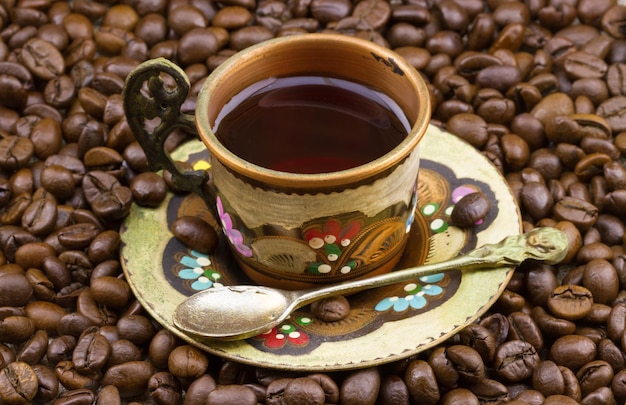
column 544, row 244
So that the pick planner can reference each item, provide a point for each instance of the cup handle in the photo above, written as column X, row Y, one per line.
column 161, row 110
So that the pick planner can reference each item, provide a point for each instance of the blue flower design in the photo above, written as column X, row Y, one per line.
column 198, row 269
column 416, row 296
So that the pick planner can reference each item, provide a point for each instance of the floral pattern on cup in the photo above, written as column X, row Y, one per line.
column 330, row 241
column 235, row 237
column 417, row 295
column 286, row 334
column 197, row 267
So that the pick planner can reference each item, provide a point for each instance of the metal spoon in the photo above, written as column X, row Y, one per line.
column 239, row 312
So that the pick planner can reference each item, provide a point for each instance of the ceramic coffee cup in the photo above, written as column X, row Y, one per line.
column 289, row 229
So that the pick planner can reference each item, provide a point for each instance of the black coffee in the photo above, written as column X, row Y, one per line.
column 310, row 124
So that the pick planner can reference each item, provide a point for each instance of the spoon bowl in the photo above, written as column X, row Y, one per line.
column 239, row 312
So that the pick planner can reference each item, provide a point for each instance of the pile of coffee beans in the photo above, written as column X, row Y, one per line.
column 537, row 86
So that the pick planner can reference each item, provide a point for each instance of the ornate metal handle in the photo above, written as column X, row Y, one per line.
column 152, row 117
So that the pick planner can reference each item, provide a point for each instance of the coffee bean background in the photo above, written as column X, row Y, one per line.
column 537, row 86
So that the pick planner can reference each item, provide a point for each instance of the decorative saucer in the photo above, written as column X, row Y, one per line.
column 384, row 324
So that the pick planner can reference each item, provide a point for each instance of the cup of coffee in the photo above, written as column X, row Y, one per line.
column 313, row 143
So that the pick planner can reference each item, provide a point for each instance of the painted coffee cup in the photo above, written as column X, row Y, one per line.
column 313, row 143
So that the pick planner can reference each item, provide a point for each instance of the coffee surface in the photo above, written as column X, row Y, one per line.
column 310, row 124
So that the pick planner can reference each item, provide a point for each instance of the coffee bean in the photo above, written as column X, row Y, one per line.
column 570, row 302
column 34, row 349
column 231, row 394
column 91, row 352
column 583, row 65
column 547, row 379
column 331, row 309
column 199, row 389
column 18, row 383
column 15, row 290
column 78, row 236
column 489, row 390
column 149, row 189
column 600, row 278
column 136, row 328
column 45, row 315
column 573, row 351
column 393, row 390
column 470, row 209
column 107, row 197
column 186, row 361
column 360, row 387
column 130, row 378
column 524, row 328
column 195, row 233
column 15, row 152
column 515, row 360
column 467, row 361
column 580, row 213
column 165, row 388
column 48, row 384
column 123, row 351
column 536, row 199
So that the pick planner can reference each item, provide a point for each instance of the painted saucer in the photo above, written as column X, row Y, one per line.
column 384, row 324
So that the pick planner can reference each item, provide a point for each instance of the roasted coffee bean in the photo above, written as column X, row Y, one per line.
column 471, row 209
column 480, row 339
column 79, row 396
column 107, row 197
column 467, row 362
column 123, row 351
column 515, row 360
column 48, row 384
column 570, row 302
column 331, row 309
column 547, row 379
column 303, row 391
column 45, row 315
column 15, row 290
column 199, row 389
column 34, row 349
column 600, row 278
column 489, row 390
column 149, row 189
column 360, row 386
column 187, row 362
column 165, row 388
column 594, row 375
column 78, row 236
column 91, row 352
column 87, row 306
column 536, row 199
column 573, row 351
column 15, row 152
column 18, row 383
column 195, row 233
column 161, row 346
column 131, row 378
column 231, row 394
column 579, row 212
column 111, row 292
column 524, row 328
column 136, row 328
column 447, row 376
column 469, row 127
